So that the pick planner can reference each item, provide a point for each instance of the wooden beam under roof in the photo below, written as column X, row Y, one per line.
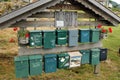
column 52, row 23
column 51, row 14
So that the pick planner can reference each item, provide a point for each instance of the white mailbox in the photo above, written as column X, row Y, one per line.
column 75, row 59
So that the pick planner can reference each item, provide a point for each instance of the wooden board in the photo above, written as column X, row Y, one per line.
column 51, row 14
column 23, row 50
column 52, row 23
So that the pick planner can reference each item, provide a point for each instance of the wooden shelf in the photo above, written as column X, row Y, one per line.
column 23, row 50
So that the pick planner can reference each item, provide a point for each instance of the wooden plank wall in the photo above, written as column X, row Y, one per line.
column 47, row 19
column 69, row 18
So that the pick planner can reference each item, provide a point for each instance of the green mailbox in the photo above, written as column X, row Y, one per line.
column 85, row 56
column 49, row 39
column 95, row 35
column 35, row 38
column 21, row 66
column 61, row 37
column 95, row 56
column 35, row 62
column 50, row 63
column 63, row 60
column 84, row 35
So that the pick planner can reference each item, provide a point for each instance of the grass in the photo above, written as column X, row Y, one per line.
column 109, row 70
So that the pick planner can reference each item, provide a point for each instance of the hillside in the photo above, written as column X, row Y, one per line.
column 114, row 4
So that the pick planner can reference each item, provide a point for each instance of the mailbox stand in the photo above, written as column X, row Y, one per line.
column 52, row 10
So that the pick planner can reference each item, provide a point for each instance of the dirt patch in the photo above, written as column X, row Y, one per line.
column 5, row 56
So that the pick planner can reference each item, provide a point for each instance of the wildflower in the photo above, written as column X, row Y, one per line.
column 15, row 29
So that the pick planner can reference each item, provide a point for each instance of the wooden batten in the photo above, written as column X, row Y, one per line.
column 64, row 7
column 52, row 23
column 51, row 14
column 23, row 50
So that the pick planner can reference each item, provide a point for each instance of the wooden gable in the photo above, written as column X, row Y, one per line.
column 91, row 9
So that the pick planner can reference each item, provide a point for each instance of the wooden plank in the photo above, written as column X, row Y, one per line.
column 25, row 78
column 23, row 50
column 43, row 15
column 34, row 24
column 84, row 15
column 8, row 23
column 97, row 69
column 52, row 15
column 69, row 18
column 100, row 10
column 89, row 23
column 22, row 10
column 65, row 7
column 52, row 23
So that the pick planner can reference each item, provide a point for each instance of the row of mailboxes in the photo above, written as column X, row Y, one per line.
column 45, row 38
column 28, row 65
column 93, row 56
column 34, row 64
column 49, row 39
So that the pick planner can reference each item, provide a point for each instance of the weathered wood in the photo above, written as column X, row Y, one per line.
column 29, row 51
column 97, row 69
column 52, row 23
column 84, row 15
column 43, row 15
column 34, row 24
column 91, row 5
column 25, row 79
column 69, row 18
column 90, row 23
column 65, row 7
column 23, row 10
column 40, row 8
column 51, row 14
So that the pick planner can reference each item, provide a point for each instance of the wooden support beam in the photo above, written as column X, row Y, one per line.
column 101, row 11
column 43, row 15
column 84, row 15
column 25, row 79
column 97, row 69
column 64, row 7
column 23, row 50
column 52, row 15
column 34, row 24
column 90, row 23
column 52, row 23
column 32, row 10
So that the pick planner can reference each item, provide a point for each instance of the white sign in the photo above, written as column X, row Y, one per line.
column 59, row 23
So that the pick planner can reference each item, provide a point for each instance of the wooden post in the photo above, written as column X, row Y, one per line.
column 25, row 79
column 97, row 69
column 21, row 28
column 119, row 52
